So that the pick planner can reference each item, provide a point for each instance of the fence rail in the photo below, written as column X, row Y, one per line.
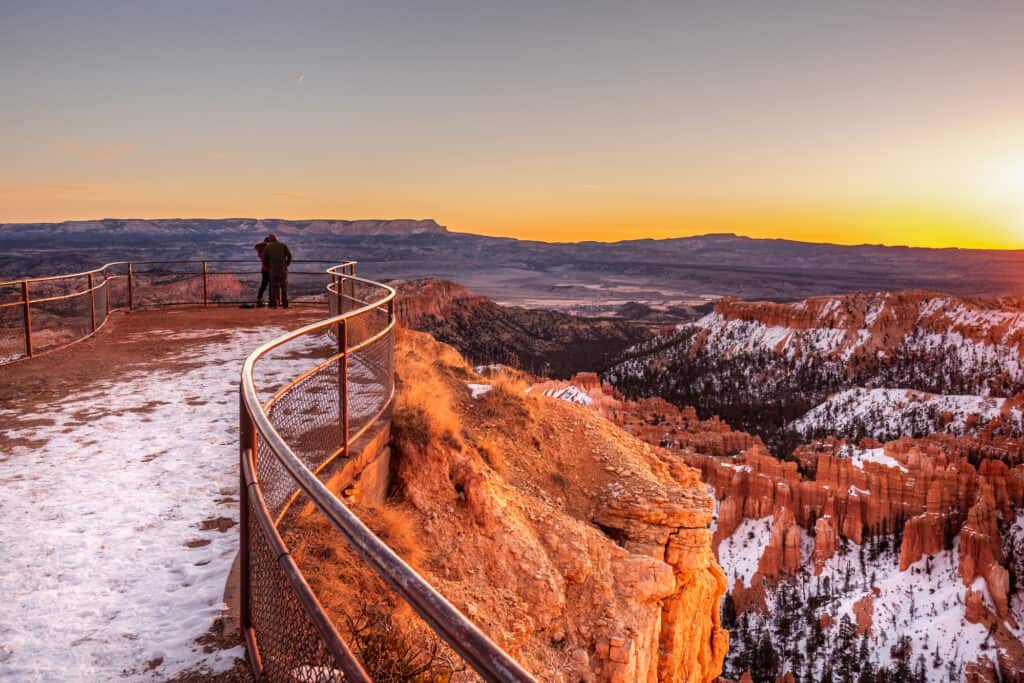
column 45, row 314
column 306, row 400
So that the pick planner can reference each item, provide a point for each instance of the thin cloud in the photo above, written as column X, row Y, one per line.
column 292, row 195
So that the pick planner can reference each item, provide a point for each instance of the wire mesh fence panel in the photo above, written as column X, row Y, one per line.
column 10, row 293
column 58, row 323
column 370, row 381
column 389, row 639
column 306, row 286
column 12, row 332
column 117, row 289
column 99, row 295
column 290, row 646
column 308, row 416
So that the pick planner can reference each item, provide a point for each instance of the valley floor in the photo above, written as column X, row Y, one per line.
column 119, row 497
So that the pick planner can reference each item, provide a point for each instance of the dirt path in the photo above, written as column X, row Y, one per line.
column 118, row 491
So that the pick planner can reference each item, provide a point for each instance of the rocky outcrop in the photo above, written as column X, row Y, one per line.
column 824, row 542
column 981, row 552
column 863, row 612
column 782, row 554
column 581, row 550
column 657, row 421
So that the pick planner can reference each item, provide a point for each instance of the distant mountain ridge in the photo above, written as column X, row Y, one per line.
column 590, row 278
column 204, row 226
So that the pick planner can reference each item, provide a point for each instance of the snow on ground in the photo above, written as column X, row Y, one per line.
column 739, row 553
column 925, row 602
column 571, row 393
column 718, row 504
column 888, row 414
column 98, row 579
column 991, row 343
column 478, row 390
column 859, row 456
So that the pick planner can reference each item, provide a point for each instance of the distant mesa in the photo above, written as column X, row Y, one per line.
column 203, row 226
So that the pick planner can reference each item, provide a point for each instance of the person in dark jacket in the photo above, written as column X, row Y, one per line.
column 264, row 272
column 277, row 257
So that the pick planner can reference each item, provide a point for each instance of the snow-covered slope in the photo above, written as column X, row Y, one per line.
column 922, row 607
column 887, row 414
column 761, row 365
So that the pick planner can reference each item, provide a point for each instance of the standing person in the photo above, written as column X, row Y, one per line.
column 277, row 257
column 264, row 271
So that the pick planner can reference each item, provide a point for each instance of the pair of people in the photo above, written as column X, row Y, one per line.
column 275, row 257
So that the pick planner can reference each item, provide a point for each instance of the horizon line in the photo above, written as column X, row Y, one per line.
column 446, row 229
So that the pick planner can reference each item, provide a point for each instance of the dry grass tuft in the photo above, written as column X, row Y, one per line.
column 507, row 400
column 509, row 383
column 397, row 528
column 491, row 451
column 424, row 413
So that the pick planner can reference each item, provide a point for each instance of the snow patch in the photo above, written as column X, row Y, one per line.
column 741, row 551
column 571, row 393
column 98, row 579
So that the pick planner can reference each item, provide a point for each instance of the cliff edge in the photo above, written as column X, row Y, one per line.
column 581, row 550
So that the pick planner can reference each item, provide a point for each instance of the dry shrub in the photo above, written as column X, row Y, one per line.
column 424, row 413
column 491, row 451
column 396, row 650
column 507, row 400
column 509, row 382
column 389, row 640
column 397, row 528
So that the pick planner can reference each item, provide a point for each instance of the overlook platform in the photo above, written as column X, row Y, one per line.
column 119, row 493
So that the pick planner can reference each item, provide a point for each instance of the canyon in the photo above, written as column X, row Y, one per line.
column 887, row 537
column 885, row 542
column 539, row 341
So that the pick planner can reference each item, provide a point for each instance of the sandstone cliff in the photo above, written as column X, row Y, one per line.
column 581, row 550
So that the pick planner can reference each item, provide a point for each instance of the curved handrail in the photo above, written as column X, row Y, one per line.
column 482, row 654
column 257, row 428
column 100, row 292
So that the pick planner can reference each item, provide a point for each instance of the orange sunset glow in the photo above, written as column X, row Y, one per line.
column 864, row 124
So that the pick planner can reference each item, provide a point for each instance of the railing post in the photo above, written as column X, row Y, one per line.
column 106, row 295
column 343, row 381
column 247, row 447
column 337, row 295
column 131, row 288
column 206, row 297
column 28, row 318
column 92, row 301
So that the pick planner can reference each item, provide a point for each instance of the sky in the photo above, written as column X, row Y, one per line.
column 847, row 122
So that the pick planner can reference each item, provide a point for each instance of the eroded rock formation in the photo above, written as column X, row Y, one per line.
column 580, row 549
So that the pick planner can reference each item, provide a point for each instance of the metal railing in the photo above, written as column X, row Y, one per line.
column 326, row 387
column 286, row 442
column 45, row 314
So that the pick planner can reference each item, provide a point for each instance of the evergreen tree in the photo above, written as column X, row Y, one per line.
column 765, row 665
